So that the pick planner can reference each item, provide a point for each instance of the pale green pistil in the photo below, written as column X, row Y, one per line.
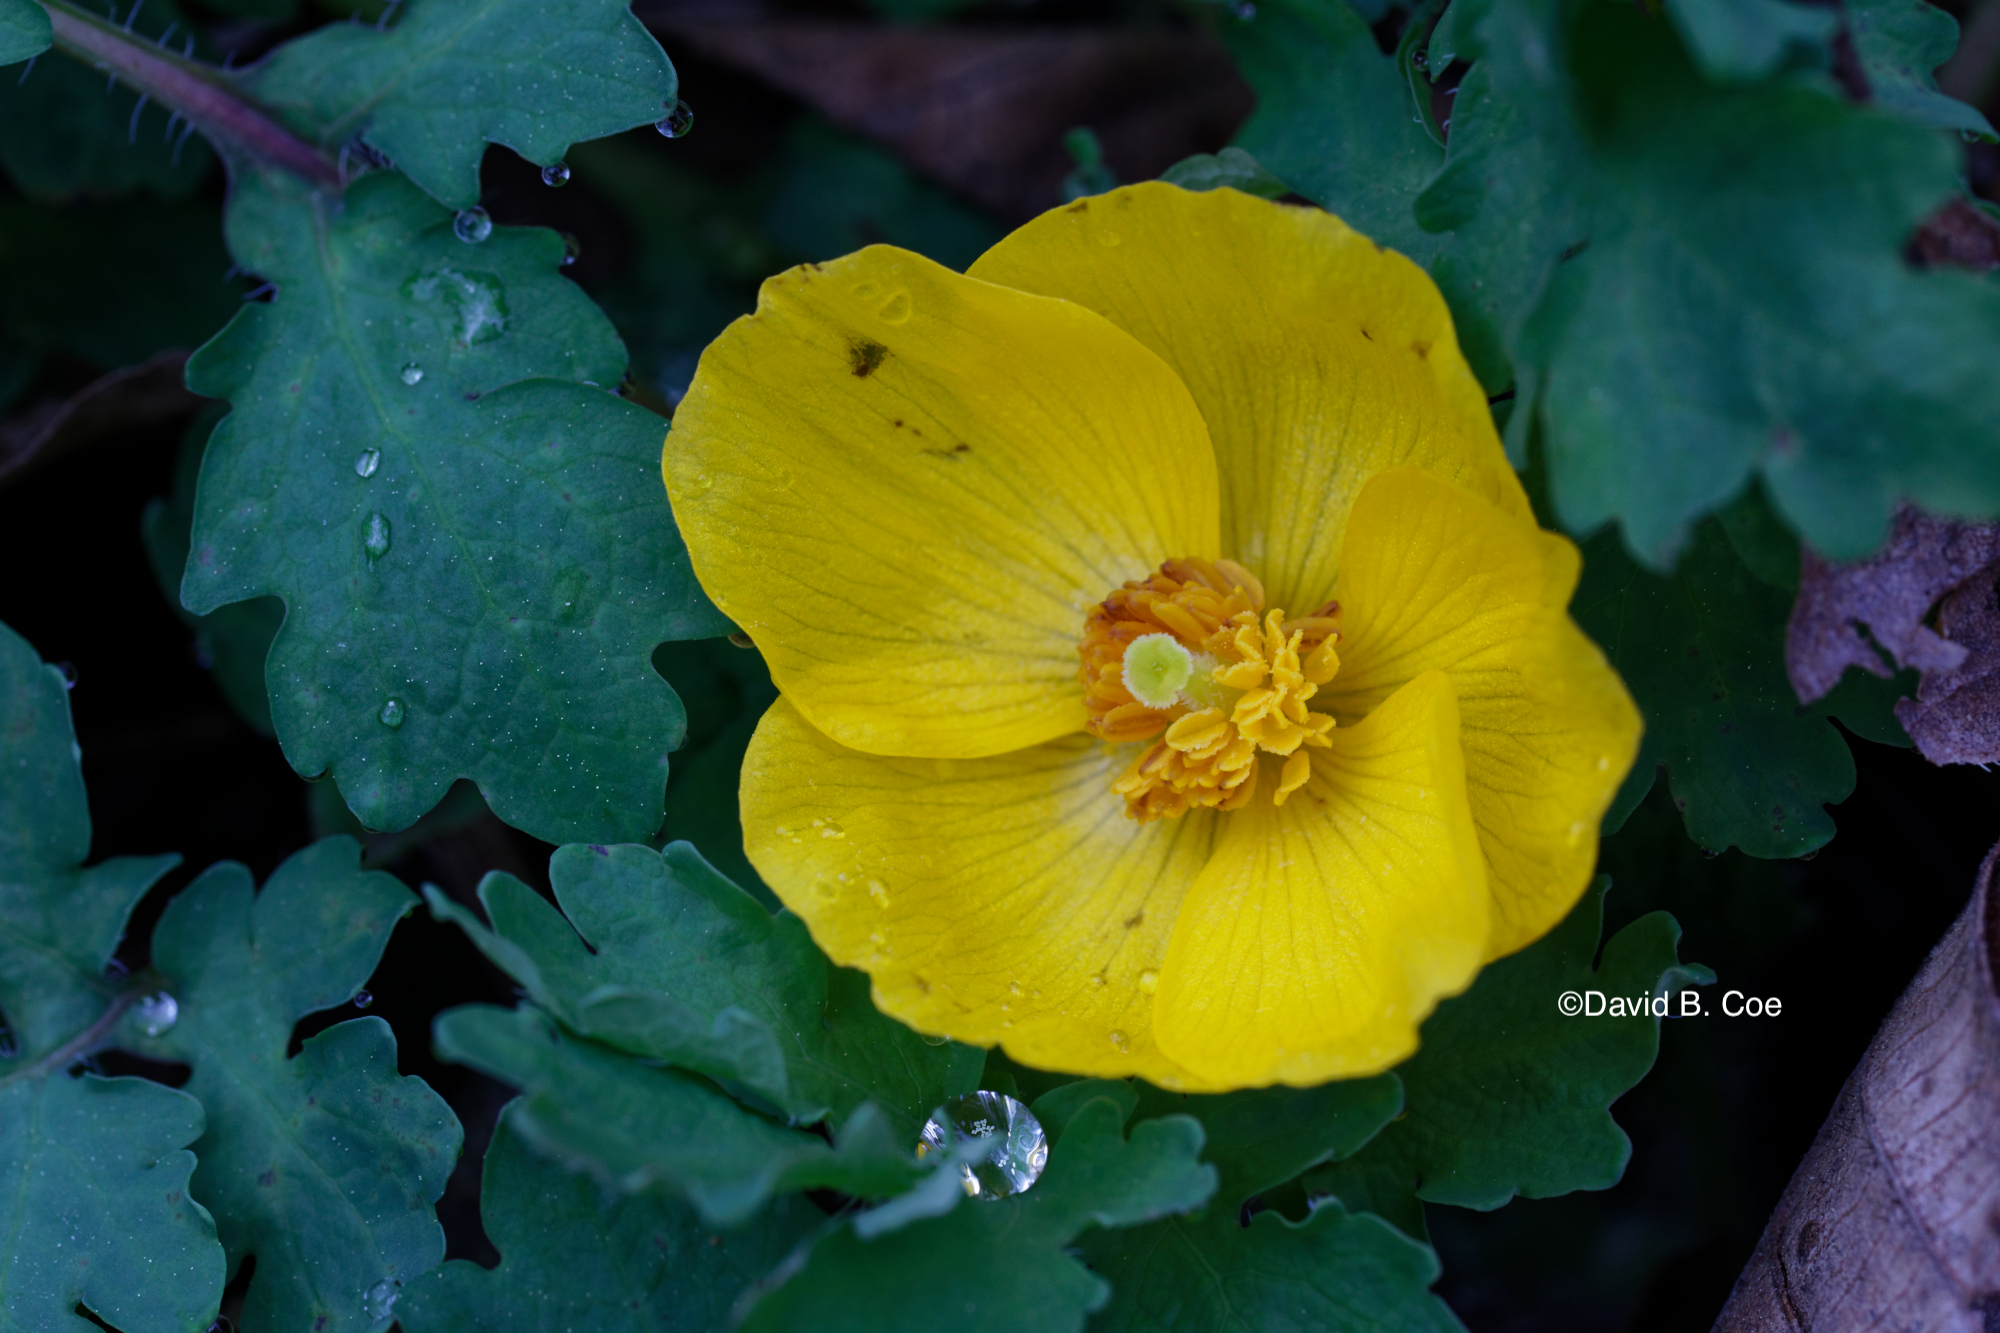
column 1157, row 669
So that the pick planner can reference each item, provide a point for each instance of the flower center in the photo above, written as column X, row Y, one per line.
column 1189, row 661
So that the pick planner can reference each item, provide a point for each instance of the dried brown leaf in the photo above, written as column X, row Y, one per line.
column 1892, row 1221
column 1886, row 599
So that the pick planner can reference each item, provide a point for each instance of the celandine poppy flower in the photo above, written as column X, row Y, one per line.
column 1175, row 681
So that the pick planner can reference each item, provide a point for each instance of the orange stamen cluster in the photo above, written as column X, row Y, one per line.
column 1249, row 696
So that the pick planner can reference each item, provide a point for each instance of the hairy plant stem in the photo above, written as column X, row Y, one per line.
column 78, row 1045
column 202, row 94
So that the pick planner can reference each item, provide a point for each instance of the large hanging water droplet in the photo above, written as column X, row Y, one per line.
column 157, row 1013
column 391, row 716
column 366, row 462
column 556, row 175
column 472, row 225
column 412, row 374
column 677, row 122
column 379, row 1300
column 362, row 999
column 375, row 537
column 1018, row 1161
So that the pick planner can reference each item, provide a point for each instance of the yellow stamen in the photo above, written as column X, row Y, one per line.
column 1184, row 653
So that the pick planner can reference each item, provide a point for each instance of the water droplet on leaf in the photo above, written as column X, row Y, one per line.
column 362, row 999
column 572, row 249
column 677, row 122
column 157, row 1013
column 366, row 462
column 1017, row 1162
column 412, row 375
column 380, row 1299
column 557, row 175
column 375, row 537
column 472, row 225
column 391, row 715
column 1149, row 981
column 67, row 670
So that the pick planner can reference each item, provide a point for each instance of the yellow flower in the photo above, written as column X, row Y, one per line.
column 1175, row 682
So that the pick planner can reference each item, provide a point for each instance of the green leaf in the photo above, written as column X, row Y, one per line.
column 59, row 923
column 1508, row 1096
column 634, row 1125
column 1336, row 120
column 64, row 135
column 1000, row 1264
column 447, row 79
column 1900, row 44
column 1217, row 1271
column 24, row 30
column 1722, row 268
column 1334, row 1270
column 572, row 1259
column 95, row 1174
column 1702, row 651
column 727, row 690
column 233, row 640
column 482, row 603
column 324, row 1165
column 1231, row 169
column 752, row 1002
column 1747, row 39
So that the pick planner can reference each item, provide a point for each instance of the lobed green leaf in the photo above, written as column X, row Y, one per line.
column 1000, row 1264
column 59, row 923
column 634, row 1125
column 570, row 1258
column 95, row 1174
column 446, row 79
column 324, row 1165
column 476, row 564
column 752, row 1002
column 1702, row 651
column 1507, row 1095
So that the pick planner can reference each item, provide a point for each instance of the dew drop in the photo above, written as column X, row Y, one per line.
column 556, row 176
column 472, row 225
column 362, row 999
column 391, row 715
column 366, row 462
column 67, row 670
column 572, row 249
column 375, row 537
column 677, row 122
column 930, row 1040
column 1015, row 1165
column 1149, row 981
column 412, row 374
column 157, row 1013
column 1014, row 989
column 896, row 310
column 379, row 1300
column 1118, row 1042
column 879, row 892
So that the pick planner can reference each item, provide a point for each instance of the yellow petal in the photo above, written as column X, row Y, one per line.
column 909, row 487
column 1436, row 579
column 1324, row 931
column 1004, row 901
column 1318, row 358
